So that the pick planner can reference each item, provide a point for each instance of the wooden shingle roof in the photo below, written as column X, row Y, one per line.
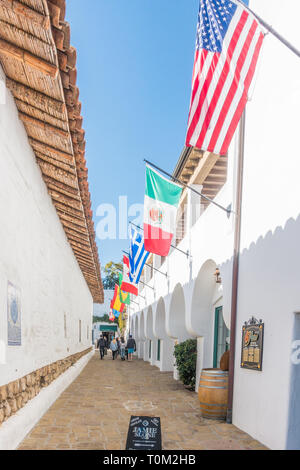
column 40, row 66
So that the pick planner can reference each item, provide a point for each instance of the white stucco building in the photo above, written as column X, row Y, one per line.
column 49, row 266
column 189, row 303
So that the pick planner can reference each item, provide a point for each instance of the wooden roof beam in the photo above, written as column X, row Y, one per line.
column 22, row 10
column 51, row 151
column 56, row 163
column 43, row 125
column 36, row 98
column 14, row 52
column 64, row 199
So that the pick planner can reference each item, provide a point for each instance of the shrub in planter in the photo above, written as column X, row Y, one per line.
column 186, row 358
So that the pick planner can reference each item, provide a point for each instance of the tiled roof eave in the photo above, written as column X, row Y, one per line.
column 40, row 66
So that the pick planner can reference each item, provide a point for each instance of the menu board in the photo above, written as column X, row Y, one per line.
column 252, row 344
column 144, row 433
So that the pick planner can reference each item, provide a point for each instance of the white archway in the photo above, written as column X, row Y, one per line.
column 175, row 323
column 201, row 317
column 166, row 343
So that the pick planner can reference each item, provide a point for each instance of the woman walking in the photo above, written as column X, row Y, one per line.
column 122, row 348
column 114, row 348
column 131, row 346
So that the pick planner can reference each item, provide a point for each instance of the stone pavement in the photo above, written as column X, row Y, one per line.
column 94, row 412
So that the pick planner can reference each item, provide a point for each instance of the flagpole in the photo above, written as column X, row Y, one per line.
column 271, row 30
column 186, row 253
column 236, row 261
column 146, row 285
column 227, row 210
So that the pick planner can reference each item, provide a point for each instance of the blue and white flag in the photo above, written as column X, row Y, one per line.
column 137, row 255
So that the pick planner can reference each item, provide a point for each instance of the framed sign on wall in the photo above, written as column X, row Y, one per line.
column 252, row 344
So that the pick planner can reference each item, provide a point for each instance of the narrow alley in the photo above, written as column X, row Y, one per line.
column 94, row 412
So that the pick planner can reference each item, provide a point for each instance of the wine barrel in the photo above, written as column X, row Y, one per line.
column 213, row 393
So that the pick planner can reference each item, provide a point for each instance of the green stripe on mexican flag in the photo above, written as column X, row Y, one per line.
column 160, row 210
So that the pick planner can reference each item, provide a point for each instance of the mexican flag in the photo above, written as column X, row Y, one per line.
column 160, row 210
column 127, row 285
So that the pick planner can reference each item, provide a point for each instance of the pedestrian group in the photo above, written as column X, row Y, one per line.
column 117, row 346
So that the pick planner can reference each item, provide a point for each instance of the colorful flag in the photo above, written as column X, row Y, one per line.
column 160, row 210
column 229, row 39
column 127, row 285
column 137, row 255
column 124, row 296
column 111, row 315
column 121, row 322
column 117, row 313
column 116, row 303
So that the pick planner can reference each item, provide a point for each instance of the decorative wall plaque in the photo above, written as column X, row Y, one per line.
column 13, row 315
column 252, row 344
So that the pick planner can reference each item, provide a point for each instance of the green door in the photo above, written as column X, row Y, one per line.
column 221, row 340
column 158, row 350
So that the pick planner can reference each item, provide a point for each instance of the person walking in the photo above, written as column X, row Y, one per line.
column 101, row 344
column 122, row 348
column 114, row 348
column 118, row 343
column 131, row 345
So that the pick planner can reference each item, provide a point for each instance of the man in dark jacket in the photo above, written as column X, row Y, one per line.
column 101, row 345
column 131, row 346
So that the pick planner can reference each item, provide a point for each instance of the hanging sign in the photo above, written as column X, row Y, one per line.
column 252, row 344
column 144, row 433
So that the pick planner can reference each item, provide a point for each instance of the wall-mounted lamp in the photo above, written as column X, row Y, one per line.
column 218, row 277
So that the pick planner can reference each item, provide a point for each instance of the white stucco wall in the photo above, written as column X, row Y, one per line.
column 35, row 256
column 269, row 278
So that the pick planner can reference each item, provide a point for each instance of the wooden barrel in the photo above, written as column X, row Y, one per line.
column 213, row 393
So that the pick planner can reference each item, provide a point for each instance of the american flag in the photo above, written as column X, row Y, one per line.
column 229, row 39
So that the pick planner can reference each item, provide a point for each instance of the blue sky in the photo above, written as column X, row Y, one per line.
column 134, row 62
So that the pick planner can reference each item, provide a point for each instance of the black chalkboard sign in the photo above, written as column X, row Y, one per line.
column 144, row 433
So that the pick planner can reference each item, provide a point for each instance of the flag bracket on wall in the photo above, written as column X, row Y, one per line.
column 225, row 209
column 147, row 285
column 146, row 264
column 271, row 30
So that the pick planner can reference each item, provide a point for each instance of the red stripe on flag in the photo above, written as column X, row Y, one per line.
column 156, row 240
column 129, row 288
column 243, row 100
column 202, row 96
column 233, row 88
column 196, row 81
column 223, row 76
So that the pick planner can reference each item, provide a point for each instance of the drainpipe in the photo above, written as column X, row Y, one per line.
column 235, row 268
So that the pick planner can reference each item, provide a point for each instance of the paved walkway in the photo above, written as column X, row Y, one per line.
column 94, row 412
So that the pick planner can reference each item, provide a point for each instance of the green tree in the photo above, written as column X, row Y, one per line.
column 111, row 274
column 104, row 318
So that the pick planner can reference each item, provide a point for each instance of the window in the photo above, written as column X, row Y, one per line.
column 222, row 335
